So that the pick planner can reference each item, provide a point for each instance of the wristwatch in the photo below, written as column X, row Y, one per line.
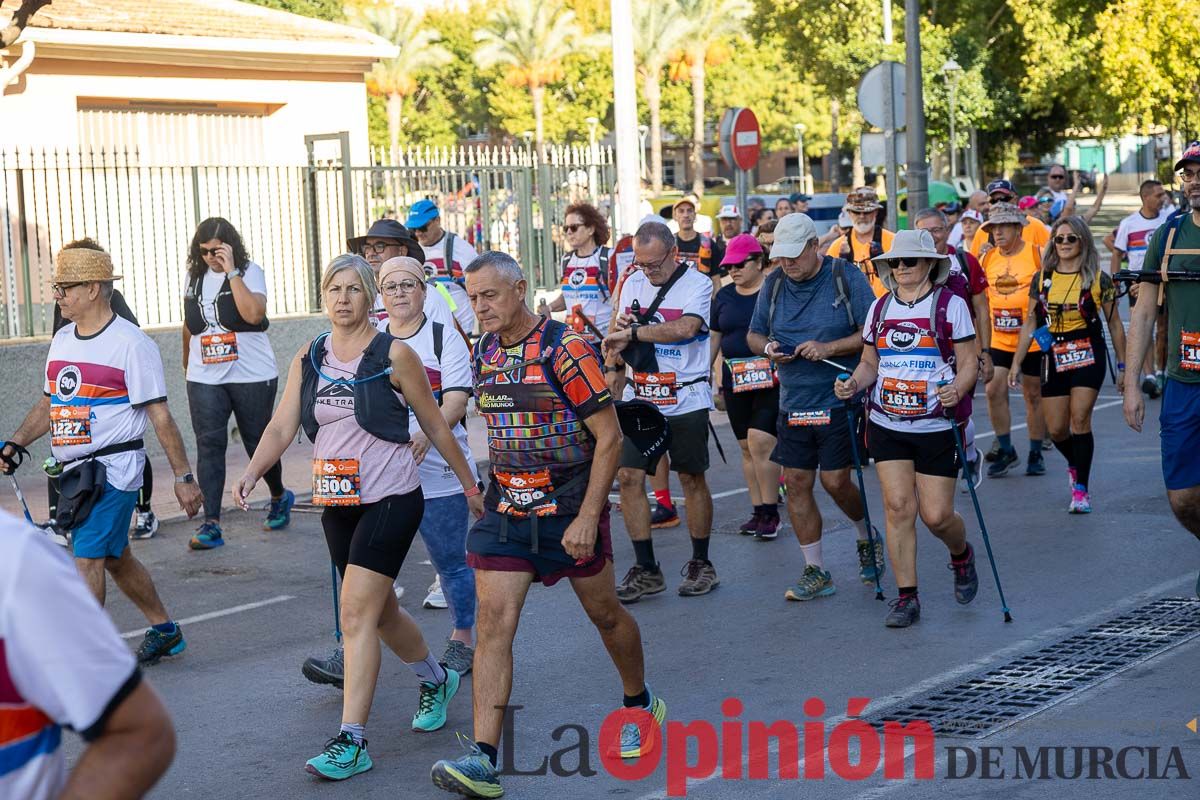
column 633, row 331
column 186, row 477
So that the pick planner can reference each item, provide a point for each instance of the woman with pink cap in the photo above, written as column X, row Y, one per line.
column 748, row 385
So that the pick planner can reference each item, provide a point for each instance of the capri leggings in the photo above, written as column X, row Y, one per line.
column 374, row 536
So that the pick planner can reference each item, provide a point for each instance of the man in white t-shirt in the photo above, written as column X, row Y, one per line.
column 62, row 665
column 104, row 379
column 661, row 337
column 425, row 220
column 1130, row 241
column 1056, row 179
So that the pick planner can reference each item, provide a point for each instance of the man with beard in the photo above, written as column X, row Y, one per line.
column 867, row 239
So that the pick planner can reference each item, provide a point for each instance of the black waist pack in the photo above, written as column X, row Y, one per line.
column 80, row 488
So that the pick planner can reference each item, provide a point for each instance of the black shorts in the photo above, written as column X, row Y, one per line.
column 1031, row 365
column 932, row 453
column 808, row 446
column 758, row 410
column 1060, row 384
column 374, row 536
column 689, row 445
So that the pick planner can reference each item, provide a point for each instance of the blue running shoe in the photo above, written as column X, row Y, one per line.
column 157, row 644
column 631, row 735
column 280, row 513
column 1004, row 460
column 815, row 582
column 869, row 567
column 431, row 709
column 341, row 759
column 472, row 775
column 209, row 536
column 1036, row 465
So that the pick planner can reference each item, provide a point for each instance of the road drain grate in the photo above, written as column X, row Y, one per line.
column 990, row 701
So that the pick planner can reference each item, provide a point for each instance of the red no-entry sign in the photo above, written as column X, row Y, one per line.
column 740, row 139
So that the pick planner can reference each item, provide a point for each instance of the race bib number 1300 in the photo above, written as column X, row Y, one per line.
column 1189, row 350
column 336, row 482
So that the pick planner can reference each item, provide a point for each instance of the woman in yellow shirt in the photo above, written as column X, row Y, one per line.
column 1067, row 299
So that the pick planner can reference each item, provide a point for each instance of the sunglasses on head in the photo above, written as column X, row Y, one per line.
column 1066, row 238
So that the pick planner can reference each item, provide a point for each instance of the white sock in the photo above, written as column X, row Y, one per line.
column 969, row 444
column 428, row 670
column 861, row 526
column 812, row 554
column 356, row 731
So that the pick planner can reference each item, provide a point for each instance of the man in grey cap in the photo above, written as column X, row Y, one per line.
column 810, row 314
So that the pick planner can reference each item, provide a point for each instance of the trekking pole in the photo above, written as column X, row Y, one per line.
column 862, row 486
column 962, row 454
column 12, row 463
column 839, row 366
column 20, row 496
column 337, row 611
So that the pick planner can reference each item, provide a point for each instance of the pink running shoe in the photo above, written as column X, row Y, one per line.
column 1081, row 501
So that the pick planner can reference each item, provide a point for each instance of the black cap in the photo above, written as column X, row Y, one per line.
column 389, row 229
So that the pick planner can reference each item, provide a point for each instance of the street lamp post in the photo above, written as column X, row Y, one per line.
column 800, row 129
column 952, row 71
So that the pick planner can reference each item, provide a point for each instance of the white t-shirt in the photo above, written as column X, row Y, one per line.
column 910, row 364
column 1133, row 235
column 61, row 661
column 453, row 373
column 688, row 361
column 99, row 387
column 211, row 359
column 447, row 275
column 585, row 284
column 956, row 236
column 1059, row 194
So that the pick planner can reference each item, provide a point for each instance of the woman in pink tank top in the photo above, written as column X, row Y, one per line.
column 352, row 390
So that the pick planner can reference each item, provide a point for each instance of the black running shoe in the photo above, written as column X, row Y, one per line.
column 326, row 670
column 664, row 517
column 966, row 579
column 990, row 455
column 906, row 609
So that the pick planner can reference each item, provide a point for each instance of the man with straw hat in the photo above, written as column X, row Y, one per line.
column 867, row 238
column 104, row 379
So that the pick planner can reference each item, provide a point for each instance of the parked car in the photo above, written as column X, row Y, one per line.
column 1030, row 179
column 786, row 185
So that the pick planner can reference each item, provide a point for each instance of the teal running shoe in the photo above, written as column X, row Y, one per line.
column 341, row 759
column 472, row 775
column 631, row 735
column 814, row 583
column 280, row 513
column 869, row 567
column 431, row 709
column 208, row 537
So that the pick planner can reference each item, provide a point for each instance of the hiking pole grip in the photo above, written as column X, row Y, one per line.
column 862, row 486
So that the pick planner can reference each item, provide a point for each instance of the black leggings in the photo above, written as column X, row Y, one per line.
column 144, row 493
column 374, row 536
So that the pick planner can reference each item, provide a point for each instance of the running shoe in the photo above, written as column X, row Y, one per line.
column 340, row 759
column 966, row 579
column 433, row 701
column 972, row 474
column 280, row 512
column 207, row 537
column 472, row 775
column 631, row 735
column 1081, row 501
column 53, row 534
column 1003, row 462
column 664, row 517
column 1047, row 444
column 750, row 526
column 992, row 454
column 458, row 656
column 326, row 670
column 1150, row 386
column 1036, row 465
column 145, row 525
column 906, row 609
column 436, row 598
column 157, row 645
column 640, row 581
column 699, row 577
column 768, row 528
column 869, row 568
column 814, row 583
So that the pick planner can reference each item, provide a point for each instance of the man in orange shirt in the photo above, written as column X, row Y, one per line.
column 1010, row 266
column 1035, row 231
column 867, row 239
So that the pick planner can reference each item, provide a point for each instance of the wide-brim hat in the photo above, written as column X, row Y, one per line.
column 79, row 265
column 645, row 427
column 863, row 199
column 1005, row 214
column 911, row 244
column 389, row 229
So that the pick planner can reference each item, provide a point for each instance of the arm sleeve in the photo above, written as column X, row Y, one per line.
column 579, row 374
column 456, row 362
column 144, row 372
column 64, row 654
column 958, row 313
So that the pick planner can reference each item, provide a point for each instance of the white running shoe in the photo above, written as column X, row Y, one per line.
column 435, row 598
column 145, row 525
column 53, row 534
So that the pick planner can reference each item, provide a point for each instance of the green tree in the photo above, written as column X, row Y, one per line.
column 659, row 30
column 321, row 9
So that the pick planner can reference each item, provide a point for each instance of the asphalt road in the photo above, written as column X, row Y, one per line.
column 247, row 720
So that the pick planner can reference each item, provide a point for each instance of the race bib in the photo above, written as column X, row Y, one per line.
column 1189, row 350
column 70, row 425
column 1073, row 354
column 806, row 419
column 217, row 348
column 751, row 374
column 336, row 482
column 657, row 387
column 523, row 493
column 904, row 398
column 1007, row 320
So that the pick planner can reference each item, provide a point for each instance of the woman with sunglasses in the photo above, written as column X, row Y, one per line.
column 353, row 390
column 588, row 274
column 1067, row 299
column 230, row 368
column 748, row 385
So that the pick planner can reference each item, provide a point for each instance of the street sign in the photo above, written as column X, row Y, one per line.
column 739, row 139
column 874, row 148
column 873, row 94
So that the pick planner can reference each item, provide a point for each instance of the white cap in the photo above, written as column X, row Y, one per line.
column 729, row 212
column 792, row 235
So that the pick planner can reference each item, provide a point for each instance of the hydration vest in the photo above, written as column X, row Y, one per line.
column 377, row 408
column 224, row 309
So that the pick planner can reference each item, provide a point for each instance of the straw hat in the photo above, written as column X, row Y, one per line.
column 911, row 244
column 1005, row 214
column 78, row 265
column 863, row 199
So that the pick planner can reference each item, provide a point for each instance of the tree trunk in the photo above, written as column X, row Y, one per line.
column 539, row 113
column 697, row 155
column 395, row 118
column 652, row 89
column 835, row 155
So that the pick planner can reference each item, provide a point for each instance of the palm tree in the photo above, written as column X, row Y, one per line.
column 709, row 21
column 659, row 29
column 530, row 38
column 419, row 51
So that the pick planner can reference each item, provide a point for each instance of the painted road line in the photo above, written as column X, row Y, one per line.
column 1022, row 425
column 225, row 612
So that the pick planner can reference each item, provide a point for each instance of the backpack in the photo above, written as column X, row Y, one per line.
column 608, row 271
column 876, row 248
column 1087, row 306
column 552, row 335
column 841, row 295
column 1173, row 225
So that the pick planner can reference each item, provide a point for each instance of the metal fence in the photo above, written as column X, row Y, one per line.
column 294, row 219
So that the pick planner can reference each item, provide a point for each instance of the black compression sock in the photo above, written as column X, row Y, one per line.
column 488, row 751
column 910, row 591
column 644, row 551
column 638, row 700
column 699, row 549
column 1067, row 448
column 770, row 509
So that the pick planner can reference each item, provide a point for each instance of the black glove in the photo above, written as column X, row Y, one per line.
column 12, row 460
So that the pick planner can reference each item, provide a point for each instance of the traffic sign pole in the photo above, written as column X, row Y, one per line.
column 740, row 147
column 889, row 147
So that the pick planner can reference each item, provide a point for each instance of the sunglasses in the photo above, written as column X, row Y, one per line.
column 1058, row 177
column 423, row 229
column 741, row 264
column 1068, row 238
column 572, row 228
column 909, row 261
column 209, row 252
